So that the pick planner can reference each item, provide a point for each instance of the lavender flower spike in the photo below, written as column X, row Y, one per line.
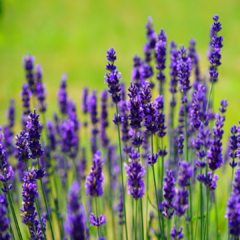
column 62, row 95
column 23, row 154
column 4, row 220
column 135, row 173
column 34, row 126
column 95, row 178
column 97, row 221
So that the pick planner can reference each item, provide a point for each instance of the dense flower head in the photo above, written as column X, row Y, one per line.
column 152, row 158
column 95, row 178
column 233, row 146
column 146, row 71
column 145, row 94
column 22, row 147
column 97, row 221
column 160, row 55
column 181, row 201
column 75, row 222
column 177, row 234
column 180, row 144
column 104, row 118
column 214, row 154
column 184, row 71
column 92, row 107
column 136, row 72
column 209, row 181
column 136, row 113
column 62, row 95
column 25, row 94
column 29, row 193
column 84, row 100
column 151, row 35
column 4, row 220
column 38, row 73
column 135, row 174
column 51, row 134
column 8, row 137
column 161, row 125
column 33, row 137
column 214, row 54
column 41, row 95
column 123, row 110
column 120, row 209
column 224, row 105
column 169, row 194
column 29, row 67
column 233, row 207
column 173, row 72
column 36, row 229
column 72, row 115
column 159, row 103
column 10, row 114
column 69, row 140
column 113, row 76
column 185, row 174
column 111, row 59
column 6, row 172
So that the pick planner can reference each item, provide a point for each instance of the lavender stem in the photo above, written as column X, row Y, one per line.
column 120, row 151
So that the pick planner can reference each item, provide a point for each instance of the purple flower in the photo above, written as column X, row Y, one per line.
column 169, row 194
column 97, row 221
column 173, row 73
column 84, row 100
column 181, row 202
column 75, row 222
column 224, row 105
column 22, row 147
column 51, row 135
column 112, row 78
column 104, row 118
column 121, row 220
column 82, row 164
column 175, row 234
column 137, row 77
column 152, row 159
column 233, row 145
column 214, row 153
column 33, row 137
column 209, row 180
column 10, row 114
column 40, row 90
column 62, row 95
column 233, row 207
column 4, row 220
column 214, row 54
column 151, row 35
column 135, row 173
column 25, row 94
column 36, row 229
column 160, row 55
column 29, row 66
column 29, row 193
column 180, row 144
column 95, row 178
column 184, row 71
column 123, row 109
column 185, row 174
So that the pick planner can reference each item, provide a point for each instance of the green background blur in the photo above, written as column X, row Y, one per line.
column 72, row 36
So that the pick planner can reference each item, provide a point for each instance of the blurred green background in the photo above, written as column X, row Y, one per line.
column 73, row 36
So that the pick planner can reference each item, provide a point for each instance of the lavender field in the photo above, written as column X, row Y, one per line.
column 147, row 151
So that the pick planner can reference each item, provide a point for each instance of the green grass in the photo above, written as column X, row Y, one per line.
column 73, row 36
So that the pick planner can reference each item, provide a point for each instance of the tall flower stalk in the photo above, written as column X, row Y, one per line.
column 112, row 79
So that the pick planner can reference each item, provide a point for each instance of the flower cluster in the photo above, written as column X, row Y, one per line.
column 135, row 173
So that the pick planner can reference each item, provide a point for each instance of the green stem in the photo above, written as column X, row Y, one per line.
column 169, row 227
column 199, row 203
column 142, row 218
column 14, row 217
column 216, row 215
column 98, row 234
column 133, row 218
column 161, row 196
column 209, row 96
column 201, row 208
column 11, row 206
column 207, row 217
column 156, row 195
column 46, row 206
column 39, row 216
column 136, row 222
column 120, row 151
column 147, row 202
